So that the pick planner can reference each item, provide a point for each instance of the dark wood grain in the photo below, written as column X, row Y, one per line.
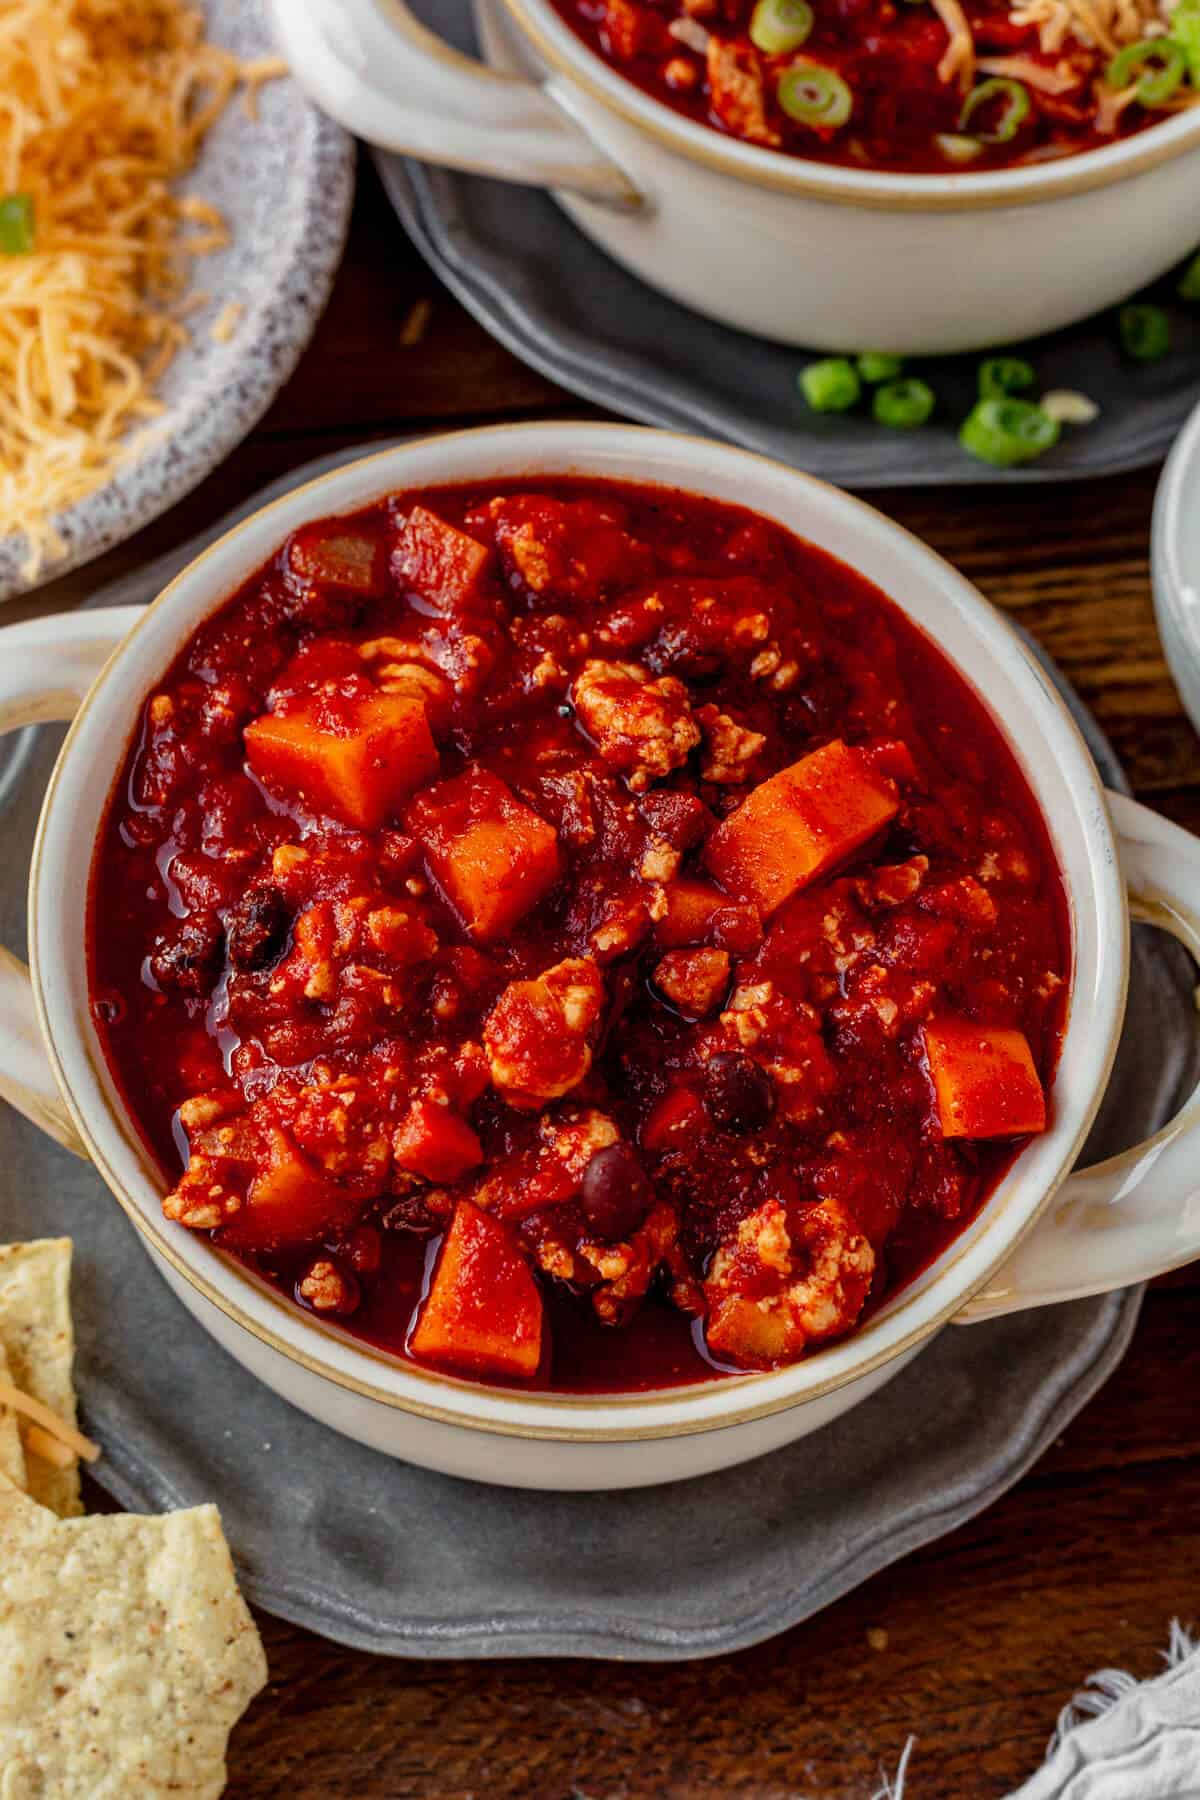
column 1084, row 1563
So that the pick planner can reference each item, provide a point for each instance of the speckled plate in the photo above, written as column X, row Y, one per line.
column 391, row 1558
column 284, row 182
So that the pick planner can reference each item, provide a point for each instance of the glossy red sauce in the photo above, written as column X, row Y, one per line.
column 312, row 993
column 698, row 57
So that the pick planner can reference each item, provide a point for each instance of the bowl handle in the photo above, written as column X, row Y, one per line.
column 46, row 668
column 379, row 72
column 1138, row 1214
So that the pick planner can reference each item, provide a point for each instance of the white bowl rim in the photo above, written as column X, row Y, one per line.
column 1179, row 476
column 1025, row 184
column 1176, row 587
column 633, row 453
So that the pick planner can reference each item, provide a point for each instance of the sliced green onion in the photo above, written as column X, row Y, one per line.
column 814, row 95
column 1185, row 32
column 1164, row 62
column 874, row 365
column 1145, row 332
column 1002, row 375
column 956, row 148
column 1189, row 281
column 903, row 404
column 1005, row 432
column 16, row 225
column 1014, row 108
column 831, row 385
column 777, row 26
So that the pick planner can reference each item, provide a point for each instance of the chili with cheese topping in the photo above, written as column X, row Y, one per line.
column 912, row 86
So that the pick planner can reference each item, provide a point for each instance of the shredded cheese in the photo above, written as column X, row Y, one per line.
column 416, row 323
column 49, row 1422
column 958, row 59
column 226, row 322
column 103, row 104
column 48, row 1449
column 1098, row 26
column 1110, row 104
column 1059, row 79
column 1105, row 25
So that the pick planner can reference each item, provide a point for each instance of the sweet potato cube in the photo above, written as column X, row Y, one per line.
column 289, row 1202
column 483, row 1312
column 492, row 856
column 355, row 765
column 698, row 913
column 441, row 563
column 799, row 825
column 435, row 1143
column 984, row 1080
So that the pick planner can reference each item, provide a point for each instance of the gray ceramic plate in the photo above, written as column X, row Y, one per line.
column 284, row 182
column 383, row 1556
column 517, row 263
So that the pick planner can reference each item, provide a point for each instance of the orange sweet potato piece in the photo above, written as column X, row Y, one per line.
column 358, row 772
column 493, row 857
column 483, row 1311
column 290, row 1201
column 698, row 913
column 443, row 564
column 435, row 1143
column 984, row 1080
column 799, row 825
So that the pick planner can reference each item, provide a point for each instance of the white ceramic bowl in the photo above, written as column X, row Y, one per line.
column 1175, row 563
column 1118, row 1223
column 806, row 253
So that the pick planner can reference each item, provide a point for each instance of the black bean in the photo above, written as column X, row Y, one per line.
column 738, row 1094
column 257, row 926
column 616, row 1193
column 189, row 960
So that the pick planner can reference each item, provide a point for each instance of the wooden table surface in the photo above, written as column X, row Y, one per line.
column 1083, row 1564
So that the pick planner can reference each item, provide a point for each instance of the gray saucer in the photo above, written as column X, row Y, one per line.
column 386, row 1557
column 515, row 261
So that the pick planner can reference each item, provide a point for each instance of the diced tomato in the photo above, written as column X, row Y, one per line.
column 573, row 550
column 435, row 1143
column 483, row 1312
column 799, row 825
column 337, row 556
column 492, row 855
column 984, row 1080
column 441, row 563
column 358, row 774
column 674, row 1119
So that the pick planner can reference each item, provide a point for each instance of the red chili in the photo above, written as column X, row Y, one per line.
column 531, row 919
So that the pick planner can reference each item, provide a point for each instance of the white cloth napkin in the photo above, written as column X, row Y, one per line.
column 1119, row 1739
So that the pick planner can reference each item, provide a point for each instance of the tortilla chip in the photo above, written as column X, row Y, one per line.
column 127, row 1654
column 38, row 1337
column 12, row 1457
